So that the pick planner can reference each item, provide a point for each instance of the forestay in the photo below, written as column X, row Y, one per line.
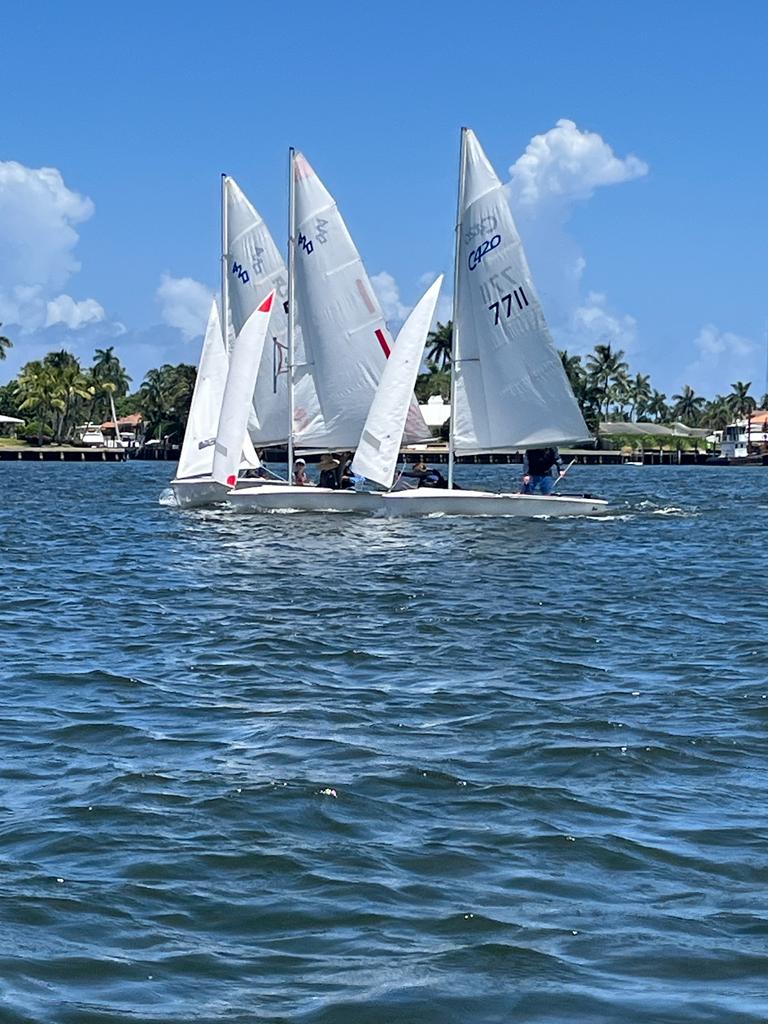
column 254, row 267
column 196, row 457
column 346, row 339
column 241, row 378
column 379, row 446
column 511, row 389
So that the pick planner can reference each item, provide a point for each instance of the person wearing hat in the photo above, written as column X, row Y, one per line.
column 300, row 477
column 328, row 475
column 426, row 475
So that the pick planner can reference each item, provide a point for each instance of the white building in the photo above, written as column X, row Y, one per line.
column 747, row 436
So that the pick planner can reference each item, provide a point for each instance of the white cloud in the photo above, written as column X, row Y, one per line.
column 566, row 164
column 593, row 323
column 723, row 357
column 66, row 310
column 560, row 168
column 388, row 294
column 184, row 303
column 37, row 214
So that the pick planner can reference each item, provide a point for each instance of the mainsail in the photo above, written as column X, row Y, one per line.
column 510, row 387
column 243, row 367
column 255, row 266
column 345, row 335
column 379, row 447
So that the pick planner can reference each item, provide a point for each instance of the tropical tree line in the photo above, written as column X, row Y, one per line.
column 57, row 394
column 606, row 389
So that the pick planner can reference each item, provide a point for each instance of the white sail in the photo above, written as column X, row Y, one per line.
column 345, row 336
column 379, row 446
column 200, row 435
column 255, row 265
column 511, row 389
column 238, row 391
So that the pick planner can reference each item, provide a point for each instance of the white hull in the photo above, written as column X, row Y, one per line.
column 428, row 501
column 303, row 499
column 204, row 491
column 417, row 502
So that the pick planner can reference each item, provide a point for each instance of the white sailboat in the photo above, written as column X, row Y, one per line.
column 509, row 389
column 345, row 342
column 196, row 484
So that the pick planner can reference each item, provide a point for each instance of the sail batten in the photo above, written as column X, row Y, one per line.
column 511, row 390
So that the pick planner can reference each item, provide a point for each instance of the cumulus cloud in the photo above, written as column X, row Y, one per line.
column 184, row 303
column 722, row 357
column 37, row 217
column 567, row 164
column 593, row 323
column 560, row 168
column 388, row 293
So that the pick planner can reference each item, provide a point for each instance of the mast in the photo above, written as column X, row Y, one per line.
column 454, row 314
column 224, row 264
column 291, row 310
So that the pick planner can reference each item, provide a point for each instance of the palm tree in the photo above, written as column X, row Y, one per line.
column 639, row 395
column 439, row 343
column 688, row 406
column 35, row 388
column 574, row 371
column 603, row 366
column 717, row 414
column 740, row 402
column 657, row 406
column 5, row 343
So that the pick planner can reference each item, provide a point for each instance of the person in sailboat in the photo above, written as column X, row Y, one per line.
column 427, row 476
column 329, row 472
column 541, row 468
column 300, row 477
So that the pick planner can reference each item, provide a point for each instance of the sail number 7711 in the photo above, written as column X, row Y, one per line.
column 504, row 304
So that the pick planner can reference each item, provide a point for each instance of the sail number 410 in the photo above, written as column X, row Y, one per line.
column 505, row 304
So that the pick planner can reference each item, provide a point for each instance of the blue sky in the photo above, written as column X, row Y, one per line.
column 644, row 127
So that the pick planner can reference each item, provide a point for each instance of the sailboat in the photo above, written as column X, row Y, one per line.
column 345, row 342
column 508, row 386
column 216, row 441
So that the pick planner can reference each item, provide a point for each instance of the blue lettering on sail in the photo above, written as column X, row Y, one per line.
column 239, row 271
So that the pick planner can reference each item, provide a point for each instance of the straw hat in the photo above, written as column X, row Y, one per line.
column 328, row 462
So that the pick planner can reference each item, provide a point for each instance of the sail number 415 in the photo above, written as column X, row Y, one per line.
column 505, row 304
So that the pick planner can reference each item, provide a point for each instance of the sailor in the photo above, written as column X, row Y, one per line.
column 300, row 477
column 328, row 476
column 541, row 467
column 426, row 475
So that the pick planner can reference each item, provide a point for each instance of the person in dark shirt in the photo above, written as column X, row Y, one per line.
column 328, row 467
column 541, row 468
column 426, row 475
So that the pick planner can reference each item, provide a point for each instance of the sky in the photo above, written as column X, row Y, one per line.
column 632, row 135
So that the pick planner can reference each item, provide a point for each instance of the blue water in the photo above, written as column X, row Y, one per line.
column 344, row 770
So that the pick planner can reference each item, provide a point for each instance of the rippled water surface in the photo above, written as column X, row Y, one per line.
column 352, row 770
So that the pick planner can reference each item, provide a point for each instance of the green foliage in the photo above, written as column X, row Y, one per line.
column 164, row 399
column 5, row 344
column 9, row 404
column 439, row 344
column 434, row 382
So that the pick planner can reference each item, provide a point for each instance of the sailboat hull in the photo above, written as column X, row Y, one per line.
column 303, row 499
column 428, row 501
column 204, row 491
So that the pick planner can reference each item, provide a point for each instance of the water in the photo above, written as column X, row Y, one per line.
column 344, row 770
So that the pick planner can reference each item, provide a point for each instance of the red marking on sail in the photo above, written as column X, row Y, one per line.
column 232, row 480
column 267, row 303
column 365, row 296
column 382, row 341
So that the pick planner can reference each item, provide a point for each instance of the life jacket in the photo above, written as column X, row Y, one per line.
column 541, row 460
